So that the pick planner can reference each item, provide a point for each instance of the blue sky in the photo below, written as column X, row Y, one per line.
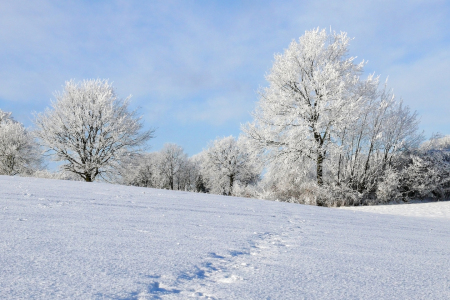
column 194, row 67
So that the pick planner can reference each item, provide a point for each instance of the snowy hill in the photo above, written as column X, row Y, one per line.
column 75, row 240
column 419, row 209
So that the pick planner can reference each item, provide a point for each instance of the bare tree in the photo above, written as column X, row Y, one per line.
column 90, row 129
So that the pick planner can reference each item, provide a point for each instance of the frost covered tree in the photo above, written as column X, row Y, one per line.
column 424, row 173
column 169, row 168
column 226, row 162
column 312, row 93
column 140, row 170
column 19, row 153
column 90, row 129
column 197, row 180
column 172, row 162
column 384, row 128
column 319, row 121
column 188, row 177
column 5, row 117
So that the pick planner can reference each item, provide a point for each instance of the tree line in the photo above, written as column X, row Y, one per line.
column 321, row 134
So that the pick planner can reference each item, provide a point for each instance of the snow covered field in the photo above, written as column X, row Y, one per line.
column 427, row 209
column 75, row 240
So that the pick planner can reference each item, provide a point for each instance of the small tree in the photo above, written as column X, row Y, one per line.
column 226, row 162
column 140, row 170
column 19, row 153
column 198, row 183
column 424, row 173
column 171, row 165
column 169, row 168
column 90, row 128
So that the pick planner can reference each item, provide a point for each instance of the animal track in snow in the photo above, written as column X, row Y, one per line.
column 230, row 268
column 203, row 281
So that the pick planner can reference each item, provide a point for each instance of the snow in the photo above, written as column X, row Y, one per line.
column 76, row 240
column 425, row 209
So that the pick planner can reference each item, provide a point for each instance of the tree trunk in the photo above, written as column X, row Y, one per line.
column 231, row 184
column 320, row 156
column 87, row 177
column 339, row 170
column 320, row 168
column 362, row 185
